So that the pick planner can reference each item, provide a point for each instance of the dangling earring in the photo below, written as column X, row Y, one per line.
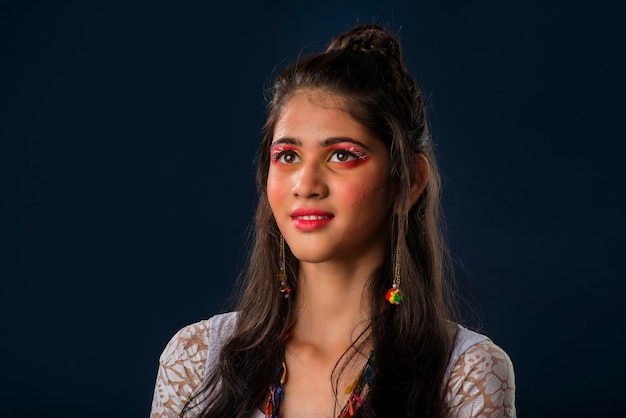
column 393, row 295
column 285, row 290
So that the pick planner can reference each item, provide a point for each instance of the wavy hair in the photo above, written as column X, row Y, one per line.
column 413, row 340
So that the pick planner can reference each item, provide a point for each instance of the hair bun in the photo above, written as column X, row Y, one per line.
column 368, row 38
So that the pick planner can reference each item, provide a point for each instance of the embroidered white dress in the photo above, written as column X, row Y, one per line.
column 481, row 380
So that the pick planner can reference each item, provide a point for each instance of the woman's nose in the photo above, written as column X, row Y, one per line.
column 310, row 181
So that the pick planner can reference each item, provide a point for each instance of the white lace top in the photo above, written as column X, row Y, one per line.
column 481, row 379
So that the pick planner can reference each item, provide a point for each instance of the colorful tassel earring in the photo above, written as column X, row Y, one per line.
column 393, row 295
column 285, row 290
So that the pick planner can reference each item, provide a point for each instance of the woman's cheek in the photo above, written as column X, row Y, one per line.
column 276, row 188
column 357, row 197
column 365, row 198
column 271, row 190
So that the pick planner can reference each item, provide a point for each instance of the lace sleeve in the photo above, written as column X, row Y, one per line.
column 181, row 370
column 482, row 384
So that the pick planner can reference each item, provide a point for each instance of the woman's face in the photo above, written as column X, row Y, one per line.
column 327, row 182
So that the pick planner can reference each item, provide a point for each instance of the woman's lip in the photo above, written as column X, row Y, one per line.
column 310, row 219
column 310, row 212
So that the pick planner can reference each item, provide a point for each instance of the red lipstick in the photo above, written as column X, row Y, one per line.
column 310, row 219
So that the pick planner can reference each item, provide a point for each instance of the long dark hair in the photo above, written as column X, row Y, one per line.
column 413, row 340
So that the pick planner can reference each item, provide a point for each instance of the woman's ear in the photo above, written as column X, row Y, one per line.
column 420, row 179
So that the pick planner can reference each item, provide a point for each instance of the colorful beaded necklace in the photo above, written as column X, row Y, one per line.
column 363, row 379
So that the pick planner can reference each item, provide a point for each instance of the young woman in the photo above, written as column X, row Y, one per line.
column 345, row 308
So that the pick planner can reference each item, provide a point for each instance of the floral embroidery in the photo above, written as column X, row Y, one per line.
column 481, row 382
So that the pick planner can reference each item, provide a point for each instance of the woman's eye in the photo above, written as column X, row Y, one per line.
column 286, row 157
column 342, row 156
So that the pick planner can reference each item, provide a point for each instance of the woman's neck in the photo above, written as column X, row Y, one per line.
column 332, row 306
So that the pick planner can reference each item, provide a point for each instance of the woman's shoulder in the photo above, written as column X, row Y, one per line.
column 465, row 339
column 475, row 350
column 194, row 341
column 185, row 360
column 481, row 377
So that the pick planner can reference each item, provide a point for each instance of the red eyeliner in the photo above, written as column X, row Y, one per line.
column 361, row 156
column 277, row 150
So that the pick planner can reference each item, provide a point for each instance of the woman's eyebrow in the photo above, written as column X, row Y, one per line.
column 325, row 143
column 337, row 140
column 286, row 140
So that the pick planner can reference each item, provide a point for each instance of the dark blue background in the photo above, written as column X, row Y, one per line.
column 128, row 132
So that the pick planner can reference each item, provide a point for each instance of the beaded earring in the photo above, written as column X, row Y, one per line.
column 393, row 295
column 285, row 290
